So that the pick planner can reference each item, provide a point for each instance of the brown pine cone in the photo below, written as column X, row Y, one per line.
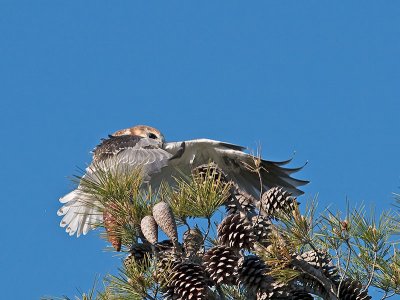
column 353, row 290
column 167, row 259
column 276, row 291
column 301, row 296
column 322, row 260
column 251, row 270
column 280, row 291
column 164, row 246
column 111, row 226
column 192, row 241
column 221, row 263
column 138, row 253
column 187, row 281
column 211, row 171
column 245, row 200
column 275, row 201
column 236, row 232
column 262, row 229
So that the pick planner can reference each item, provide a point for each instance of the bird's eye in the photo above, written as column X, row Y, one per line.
column 152, row 136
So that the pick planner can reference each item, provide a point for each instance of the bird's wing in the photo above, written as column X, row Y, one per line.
column 142, row 153
column 81, row 211
column 113, row 145
column 235, row 163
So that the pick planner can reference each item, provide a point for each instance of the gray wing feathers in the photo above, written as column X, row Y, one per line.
column 81, row 211
column 233, row 161
column 272, row 174
column 149, row 160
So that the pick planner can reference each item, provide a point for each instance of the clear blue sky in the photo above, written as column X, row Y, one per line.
column 314, row 77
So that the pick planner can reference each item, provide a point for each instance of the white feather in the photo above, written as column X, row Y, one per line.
column 81, row 212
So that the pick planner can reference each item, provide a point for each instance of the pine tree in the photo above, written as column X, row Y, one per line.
column 235, row 246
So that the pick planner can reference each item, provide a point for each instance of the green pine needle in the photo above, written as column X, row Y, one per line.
column 196, row 197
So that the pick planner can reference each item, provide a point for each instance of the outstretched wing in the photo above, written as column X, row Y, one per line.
column 81, row 211
column 235, row 163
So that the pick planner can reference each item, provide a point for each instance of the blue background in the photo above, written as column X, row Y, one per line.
column 314, row 77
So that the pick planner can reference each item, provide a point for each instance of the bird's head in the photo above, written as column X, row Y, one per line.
column 142, row 131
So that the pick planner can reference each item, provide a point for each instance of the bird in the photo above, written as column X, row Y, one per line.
column 160, row 161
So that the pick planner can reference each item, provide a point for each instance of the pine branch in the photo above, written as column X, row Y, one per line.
column 298, row 251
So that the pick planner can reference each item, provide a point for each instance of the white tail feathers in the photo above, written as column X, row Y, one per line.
column 81, row 212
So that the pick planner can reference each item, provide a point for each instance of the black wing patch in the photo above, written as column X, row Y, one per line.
column 232, row 146
column 113, row 145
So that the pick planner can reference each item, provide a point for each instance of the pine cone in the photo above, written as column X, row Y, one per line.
column 164, row 217
column 137, row 254
column 221, row 263
column 149, row 229
column 277, row 290
column 111, row 225
column 192, row 241
column 188, row 281
column 262, row 229
column 165, row 253
column 353, row 290
column 164, row 246
column 301, row 296
column 235, row 231
column 322, row 260
column 167, row 259
column 211, row 170
column 276, row 200
column 251, row 270
column 245, row 201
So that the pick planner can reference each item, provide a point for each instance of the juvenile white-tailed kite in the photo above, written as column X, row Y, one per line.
column 145, row 147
